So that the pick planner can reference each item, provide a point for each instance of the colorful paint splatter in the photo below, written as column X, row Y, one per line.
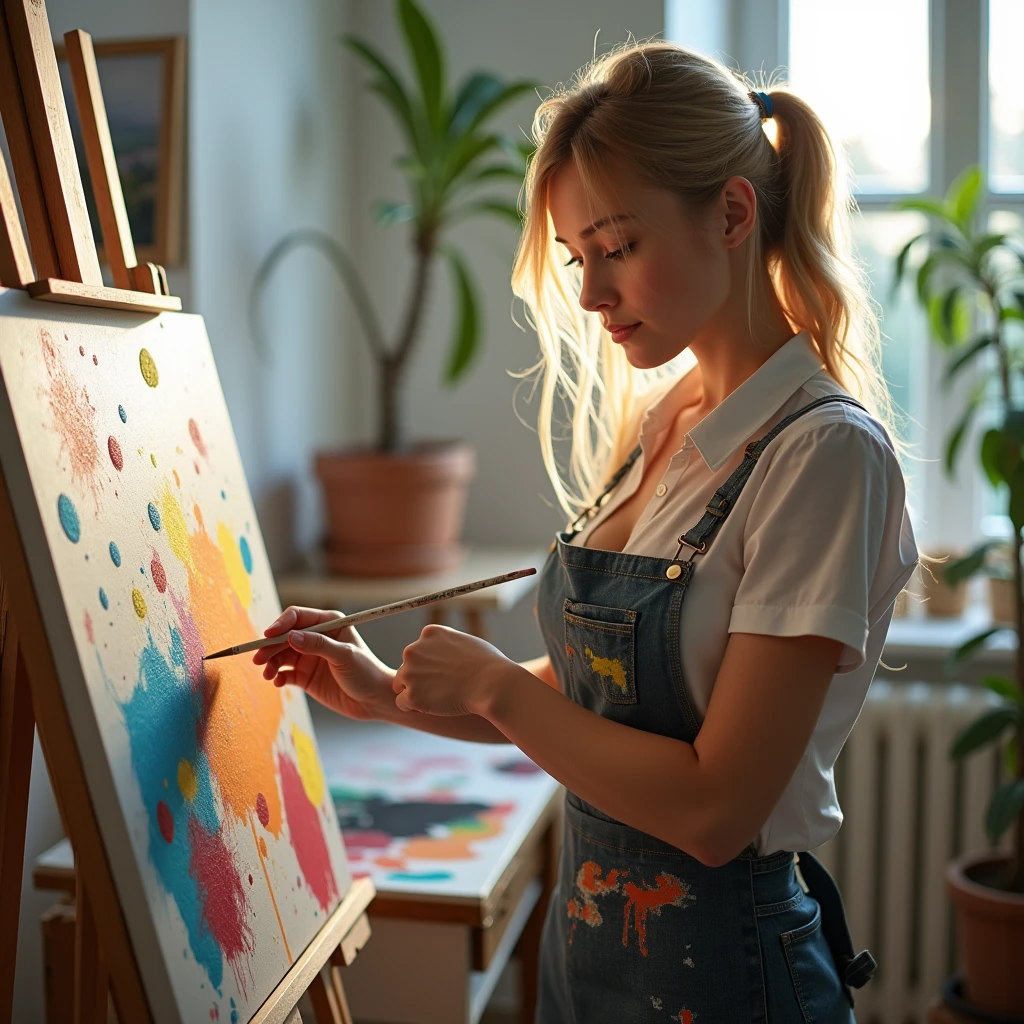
column 233, row 833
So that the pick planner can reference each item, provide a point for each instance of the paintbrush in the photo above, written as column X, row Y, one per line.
column 358, row 618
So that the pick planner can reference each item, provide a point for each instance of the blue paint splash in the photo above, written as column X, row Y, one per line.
column 420, row 876
column 115, row 555
column 243, row 545
column 69, row 518
column 154, row 516
column 122, row 414
column 103, row 599
column 162, row 717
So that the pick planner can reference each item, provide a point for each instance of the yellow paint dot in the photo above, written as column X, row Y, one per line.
column 610, row 667
column 152, row 458
column 139, row 601
column 175, row 527
column 165, row 783
column 150, row 374
column 232, row 555
column 309, row 766
column 187, row 781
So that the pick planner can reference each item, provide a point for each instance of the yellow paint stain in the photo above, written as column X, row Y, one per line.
column 610, row 667
column 150, row 373
column 309, row 766
column 187, row 781
column 235, row 566
column 176, row 528
column 139, row 602
column 152, row 458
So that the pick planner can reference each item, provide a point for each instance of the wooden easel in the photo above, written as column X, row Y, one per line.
column 62, row 250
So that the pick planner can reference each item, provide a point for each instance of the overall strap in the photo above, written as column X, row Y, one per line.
column 701, row 535
column 577, row 524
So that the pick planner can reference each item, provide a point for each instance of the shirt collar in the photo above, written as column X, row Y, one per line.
column 739, row 415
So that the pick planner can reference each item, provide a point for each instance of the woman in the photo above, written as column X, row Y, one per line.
column 712, row 616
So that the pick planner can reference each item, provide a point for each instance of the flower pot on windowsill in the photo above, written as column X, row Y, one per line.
column 1001, row 601
column 990, row 928
column 395, row 513
column 940, row 599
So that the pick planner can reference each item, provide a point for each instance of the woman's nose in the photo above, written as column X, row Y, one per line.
column 596, row 292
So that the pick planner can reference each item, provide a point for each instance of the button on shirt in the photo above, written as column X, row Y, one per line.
column 818, row 543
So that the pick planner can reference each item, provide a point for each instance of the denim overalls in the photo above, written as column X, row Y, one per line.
column 636, row 929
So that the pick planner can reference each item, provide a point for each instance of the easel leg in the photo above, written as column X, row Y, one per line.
column 17, row 727
column 91, row 982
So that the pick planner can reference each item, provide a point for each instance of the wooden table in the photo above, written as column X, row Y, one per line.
column 319, row 589
column 461, row 841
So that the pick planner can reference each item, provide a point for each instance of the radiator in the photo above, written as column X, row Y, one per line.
column 907, row 810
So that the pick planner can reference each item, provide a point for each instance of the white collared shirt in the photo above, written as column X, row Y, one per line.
column 818, row 543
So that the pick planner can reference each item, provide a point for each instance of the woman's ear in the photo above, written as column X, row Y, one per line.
column 738, row 204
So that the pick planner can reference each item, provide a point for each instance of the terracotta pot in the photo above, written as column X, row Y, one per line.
column 395, row 513
column 940, row 599
column 1001, row 602
column 990, row 928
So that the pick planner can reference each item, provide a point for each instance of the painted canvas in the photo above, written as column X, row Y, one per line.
column 422, row 813
column 145, row 553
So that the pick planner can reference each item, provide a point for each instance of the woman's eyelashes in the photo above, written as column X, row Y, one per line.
column 615, row 254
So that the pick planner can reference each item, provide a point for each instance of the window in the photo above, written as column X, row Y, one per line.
column 915, row 91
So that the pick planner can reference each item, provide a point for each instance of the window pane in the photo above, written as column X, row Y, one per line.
column 878, row 238
column 1006, row 104
column 882, row 119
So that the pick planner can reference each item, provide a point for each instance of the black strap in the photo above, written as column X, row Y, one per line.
column 855, row 970
column 589, row 513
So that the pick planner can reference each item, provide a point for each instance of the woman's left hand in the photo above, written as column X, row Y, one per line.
column 446, row 672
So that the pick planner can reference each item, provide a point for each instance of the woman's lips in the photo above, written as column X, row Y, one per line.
column 621, row 333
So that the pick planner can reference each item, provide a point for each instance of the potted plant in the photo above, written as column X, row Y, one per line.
column 971, row 283
column 396, row 507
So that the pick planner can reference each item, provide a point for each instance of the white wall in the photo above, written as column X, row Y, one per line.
column 510, row 500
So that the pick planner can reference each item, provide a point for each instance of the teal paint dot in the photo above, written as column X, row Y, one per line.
column 223, row 495
column 154, row 516
column 122, row 414
column 246, row 555
column 69, row 518
column 103, row 599
column 142, row 569
column 115, row 555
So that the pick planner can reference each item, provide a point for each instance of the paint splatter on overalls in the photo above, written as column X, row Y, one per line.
column 638, row 930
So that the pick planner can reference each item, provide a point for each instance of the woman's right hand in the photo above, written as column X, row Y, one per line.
column 335, row 668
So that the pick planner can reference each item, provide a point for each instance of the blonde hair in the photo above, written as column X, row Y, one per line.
column 685, row 123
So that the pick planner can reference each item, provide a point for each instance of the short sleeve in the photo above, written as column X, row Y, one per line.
column 827, row 544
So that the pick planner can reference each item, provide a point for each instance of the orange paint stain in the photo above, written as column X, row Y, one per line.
column 590, row 884
column 669, row 891
column 685, row 1017
column 458, row 844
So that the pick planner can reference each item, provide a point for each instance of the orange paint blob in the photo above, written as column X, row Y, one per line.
column 458, row 844
column 668, row 891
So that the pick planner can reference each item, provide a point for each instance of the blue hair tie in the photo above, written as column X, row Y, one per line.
column 764, row 101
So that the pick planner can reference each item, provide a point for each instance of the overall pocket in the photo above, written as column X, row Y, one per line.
column 816, row 982
column 599, row 642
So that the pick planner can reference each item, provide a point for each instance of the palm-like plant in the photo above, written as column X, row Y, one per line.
column 450, row 156
column 971, row 282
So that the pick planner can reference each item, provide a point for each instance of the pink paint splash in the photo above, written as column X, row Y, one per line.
column 156, row 569
column 224, row 908
column 307, row 835
column 88, row 628
column 114, row 451
column 197, row 438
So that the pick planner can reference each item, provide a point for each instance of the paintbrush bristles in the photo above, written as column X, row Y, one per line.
column 370, row 614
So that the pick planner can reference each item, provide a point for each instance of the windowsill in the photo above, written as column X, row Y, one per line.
column 920, row 636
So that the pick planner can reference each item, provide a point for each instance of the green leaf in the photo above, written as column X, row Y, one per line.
column 1010, row 313
column 963, row 196
column 984, row 245
column 495, row 207
column 390, row 88
column 901, row 260
column 933, row 207
column 960, row 431
column 966, row 567
column 425, row 49
column 467, row 333
column 988, row 727
column 965, row 355
column 968, row 648
column 1016, row 509
column 1006, row 803
column 475, row 91
column 1013, row 425
column 464, row 152
column 509, row 92
column 1006, row 688
column 386, row 212
column 993, row 449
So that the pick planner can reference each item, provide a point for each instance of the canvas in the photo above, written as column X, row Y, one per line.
column 145, row 553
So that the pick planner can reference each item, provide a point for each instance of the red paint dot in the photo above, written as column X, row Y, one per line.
column 115, row 453
column 262, row 810
column 159, row 576
column 196, row 464
column 250, row 879
column 95, row 361
column 165, row 821
column 81, row 348
column 197, row 438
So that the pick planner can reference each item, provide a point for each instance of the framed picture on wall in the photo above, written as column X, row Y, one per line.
column 143, row 83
